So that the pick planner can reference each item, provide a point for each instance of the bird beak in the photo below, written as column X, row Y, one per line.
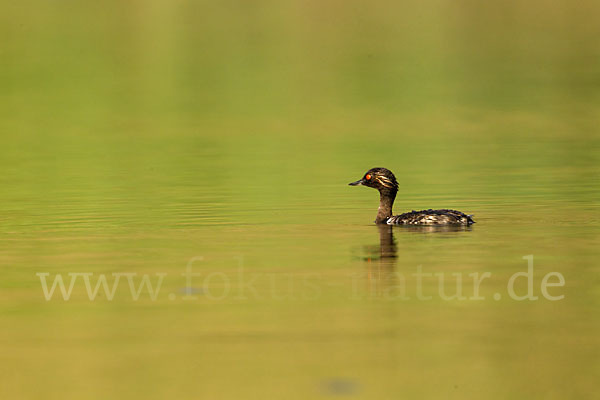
column 358, row 182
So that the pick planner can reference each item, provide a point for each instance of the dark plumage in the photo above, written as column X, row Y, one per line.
column 385, row 182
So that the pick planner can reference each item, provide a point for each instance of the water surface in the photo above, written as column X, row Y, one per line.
column 219, row 139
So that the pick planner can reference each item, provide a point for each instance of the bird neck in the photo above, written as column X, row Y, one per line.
column 386, row 202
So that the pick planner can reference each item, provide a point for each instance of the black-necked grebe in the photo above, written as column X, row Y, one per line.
column 384, row 180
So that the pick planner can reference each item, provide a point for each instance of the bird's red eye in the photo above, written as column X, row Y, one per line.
column 368, row 177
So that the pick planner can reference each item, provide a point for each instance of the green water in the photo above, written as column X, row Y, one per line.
column 218, row 138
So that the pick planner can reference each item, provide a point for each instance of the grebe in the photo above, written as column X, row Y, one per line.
column 384, row 180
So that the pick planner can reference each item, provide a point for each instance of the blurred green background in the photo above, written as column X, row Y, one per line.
column 136, row 135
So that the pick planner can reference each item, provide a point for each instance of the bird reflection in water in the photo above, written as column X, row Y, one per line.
column 381, row 262
column 382, row 278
